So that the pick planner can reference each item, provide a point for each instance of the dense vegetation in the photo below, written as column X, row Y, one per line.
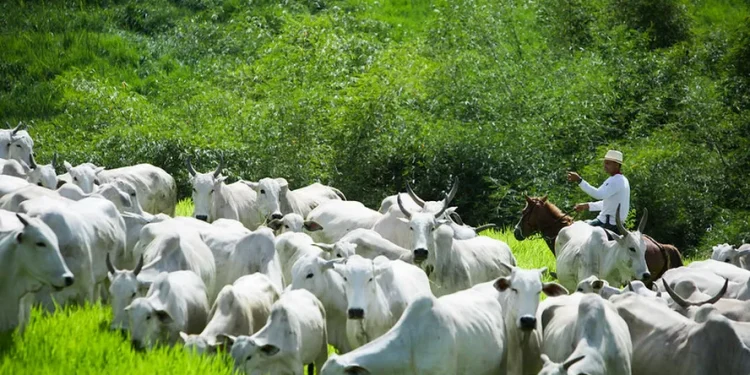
column 505, row 94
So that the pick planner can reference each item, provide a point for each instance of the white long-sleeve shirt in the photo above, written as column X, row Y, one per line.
column 615, row 190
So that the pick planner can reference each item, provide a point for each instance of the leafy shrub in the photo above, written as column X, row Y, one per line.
column 665, row 21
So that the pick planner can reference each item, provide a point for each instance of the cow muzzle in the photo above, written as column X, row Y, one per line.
column 420, row 255
column 276, row 216
column 528, row 323
column 356, row 314
column 202, row 217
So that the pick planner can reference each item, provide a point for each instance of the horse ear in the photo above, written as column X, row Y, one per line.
column 528, row 199
column 544, row 198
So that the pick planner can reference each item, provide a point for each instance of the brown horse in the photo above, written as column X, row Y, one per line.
column 541, row 216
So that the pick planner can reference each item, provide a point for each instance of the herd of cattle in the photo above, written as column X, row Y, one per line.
column 274, row 275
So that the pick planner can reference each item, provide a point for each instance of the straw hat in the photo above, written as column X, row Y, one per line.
column 614, row 155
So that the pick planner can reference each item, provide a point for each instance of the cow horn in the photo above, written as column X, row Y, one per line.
column 21, row 126
column 401, row 206
column 54, row 159
column 32, row 162
column 630, row 287
column 110, row 267
column 139, row 266
column 220, row 167
column 452, row 192
column 445, row 206
column 642, row 224
column 413, row 195
column 621, row 228
column 484, row 227
column 190, row 166
column 571, row 362
column 685, row 304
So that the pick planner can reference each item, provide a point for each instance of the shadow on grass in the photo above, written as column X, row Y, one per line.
column 6, row 343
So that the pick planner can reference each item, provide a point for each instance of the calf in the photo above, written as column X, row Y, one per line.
column 294, row 335
column 240, row 309
column 176, row 302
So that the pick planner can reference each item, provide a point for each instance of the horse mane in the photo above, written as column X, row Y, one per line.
column 556, row 212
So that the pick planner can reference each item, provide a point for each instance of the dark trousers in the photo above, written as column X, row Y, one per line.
column 597, row 223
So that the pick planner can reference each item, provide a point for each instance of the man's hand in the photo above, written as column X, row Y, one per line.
column 581, row 207
column 573, row 177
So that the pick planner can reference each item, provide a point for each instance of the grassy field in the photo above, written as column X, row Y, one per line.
column 77, row 340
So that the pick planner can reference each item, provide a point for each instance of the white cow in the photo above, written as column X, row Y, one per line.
column 43, row 175
column 520, row 300
column 733, row 309
column 30, row 259
column 176, row 302
column 706, row 282
column 240, row 309
column 378, row 291
column 9, row 184
column 86, row 230
column 729, row 254
column 316, row 275
column 722, row 269
column 214, row 199
column 164, row 247
column 368, row 243
column 240, row 252
column 156, row 189
column 293, row 223
column 593, row 284
column 16, row 144
column 15, row 168
column 291, row 246
column 84, row 175
column 275, row 199
column 665, row 342
column 12, row 200
column 294, row 335
column 583, row 334
column 583, row 250
column 337, row 218
column 460, row 264
column 460, row 333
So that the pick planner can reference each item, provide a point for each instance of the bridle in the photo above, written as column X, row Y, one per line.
column 540, row 229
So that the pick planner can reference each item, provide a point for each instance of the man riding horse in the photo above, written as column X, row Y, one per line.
column 614, row 192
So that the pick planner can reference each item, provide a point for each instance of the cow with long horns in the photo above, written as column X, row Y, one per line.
column 16, row 144
column 214, row 199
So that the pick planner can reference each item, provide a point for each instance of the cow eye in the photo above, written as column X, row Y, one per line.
column 514, row 290
column 371, row 279
column 212, row 191
column 148, row 317
column 249, row 358
column 345, row 279
column 195, row 191
column 75, row 178
column 262, row 191
column 309, row 276
column 18, row 146
column 410, row 228
column 339, row 255
column 8, row 144
column 286, row 226
column 41, row 244
column 632, row 249
column 132, row 194
column 133, row 295
column 727, row 261
column 432, row 229
column 580, row 289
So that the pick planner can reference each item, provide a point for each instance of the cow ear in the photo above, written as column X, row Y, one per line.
column 312, row 226
column 554, row 289
column 184, row 336
column 502, row 284
column 404, row 220
column 381, row 264
column 67, row 165
column 275, row 224
column 220, row 179
column 598, row 284
column 251, row 185
column 542, row 270
column 164, row 316
column 225, row 342
column 98, row 170
column 545, row 359
column 269, row 350
column 282, row 183
column 356, row 370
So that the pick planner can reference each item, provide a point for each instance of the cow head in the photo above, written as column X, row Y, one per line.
column 591, row 284
column 632, row 246
column 203, row 344
column 270, row 193
column 729, row 254
column 523, row 288
column 422, row 225
column 293, row 223
column 123, row 289
column 317, row 276
column 552, row 368
column 249, row 354
column 147, row 320
column 42, row 175
column 84, row 175
column 21, row 145
column 340, row 249
column 361, row 285
column 113, row 193
column 38, row 255
column 205, row 185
